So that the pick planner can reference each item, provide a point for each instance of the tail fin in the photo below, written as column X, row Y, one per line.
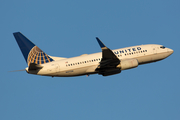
column 30, row 51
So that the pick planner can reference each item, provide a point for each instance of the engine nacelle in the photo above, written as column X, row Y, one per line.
column 128, row 64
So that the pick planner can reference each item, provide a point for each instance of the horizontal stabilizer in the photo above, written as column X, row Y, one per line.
column 34, row 66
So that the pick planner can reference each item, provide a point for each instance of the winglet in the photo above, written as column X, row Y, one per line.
column 100, row 43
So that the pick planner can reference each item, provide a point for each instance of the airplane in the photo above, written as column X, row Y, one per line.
column 105, row 63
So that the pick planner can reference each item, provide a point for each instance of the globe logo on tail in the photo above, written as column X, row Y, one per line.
column 36, row 55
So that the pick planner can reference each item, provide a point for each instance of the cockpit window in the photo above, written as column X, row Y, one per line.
column 162, row 47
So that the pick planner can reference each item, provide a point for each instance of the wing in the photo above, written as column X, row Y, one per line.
column 109, row 59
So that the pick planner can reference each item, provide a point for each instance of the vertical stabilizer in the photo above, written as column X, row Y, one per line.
column 30, row 51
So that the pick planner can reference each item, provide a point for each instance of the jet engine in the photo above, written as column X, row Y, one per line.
column 128, row 64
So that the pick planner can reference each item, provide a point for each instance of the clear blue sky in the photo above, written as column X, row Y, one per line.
column 68, row 28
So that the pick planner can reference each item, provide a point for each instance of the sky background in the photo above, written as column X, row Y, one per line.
column 67, row 28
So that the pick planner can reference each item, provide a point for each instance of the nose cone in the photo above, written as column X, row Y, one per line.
column 170, row 51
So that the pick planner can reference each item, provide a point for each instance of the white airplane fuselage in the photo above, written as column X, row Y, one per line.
column 87, row 64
